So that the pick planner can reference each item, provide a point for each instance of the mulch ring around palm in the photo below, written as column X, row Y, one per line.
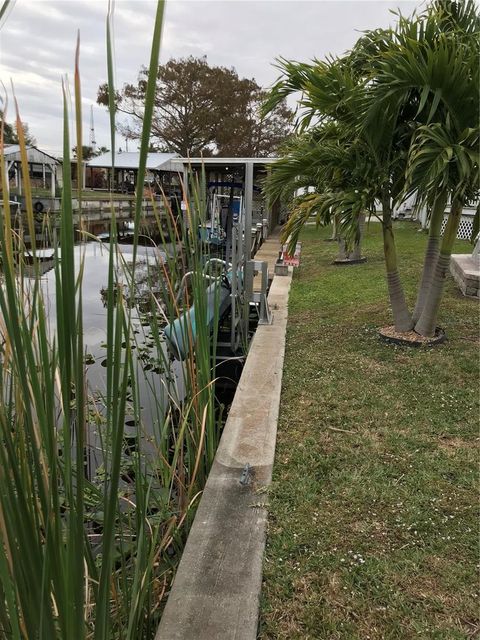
column 411, row 338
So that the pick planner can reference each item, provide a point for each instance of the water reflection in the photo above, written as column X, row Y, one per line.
column 154, row 385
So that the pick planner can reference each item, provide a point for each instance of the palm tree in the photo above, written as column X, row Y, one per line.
column 336, row 91
column 431, row 67
column 408, row 99
column 321, row 158
column 446, row 161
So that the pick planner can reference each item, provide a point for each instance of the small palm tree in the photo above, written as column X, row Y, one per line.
column 430, row 70
column 321, row 158
column 407, row 103
column 336, row 91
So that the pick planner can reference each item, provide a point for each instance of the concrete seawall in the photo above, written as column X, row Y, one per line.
column 215, row 595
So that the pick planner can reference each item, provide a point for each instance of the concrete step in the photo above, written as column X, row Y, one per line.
column 465, row 269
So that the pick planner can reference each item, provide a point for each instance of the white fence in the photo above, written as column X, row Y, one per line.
column 465, row 227
column 466, row 222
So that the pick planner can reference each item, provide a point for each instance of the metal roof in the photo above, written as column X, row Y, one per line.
column 131, row 160
column 10, row 149
column 12, row 153
column 223, row 161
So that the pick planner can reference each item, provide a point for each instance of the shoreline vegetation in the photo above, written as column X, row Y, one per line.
column 90, row 554
column 373, row 524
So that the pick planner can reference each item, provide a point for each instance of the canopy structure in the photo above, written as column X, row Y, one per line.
column 42, row 168
column 232, row 183
column 223, row 162
column 235, row 178
column 126, row 164
column 131, row 160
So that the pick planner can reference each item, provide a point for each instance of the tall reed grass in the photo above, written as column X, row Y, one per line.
column 90, row 552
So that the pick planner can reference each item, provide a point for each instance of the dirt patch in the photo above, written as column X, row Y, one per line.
column 451, row 444
column 371, row 365
column 411, row 338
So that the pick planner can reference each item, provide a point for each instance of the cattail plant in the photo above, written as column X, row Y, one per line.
column 89, row 550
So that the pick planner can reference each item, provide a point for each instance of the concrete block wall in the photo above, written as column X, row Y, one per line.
column 465, row 270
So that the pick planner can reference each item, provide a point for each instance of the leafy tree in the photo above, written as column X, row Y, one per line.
column 203, row 109
column 89, row 152
column 10, row 135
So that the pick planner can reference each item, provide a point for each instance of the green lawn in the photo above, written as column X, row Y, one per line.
column 373, row 527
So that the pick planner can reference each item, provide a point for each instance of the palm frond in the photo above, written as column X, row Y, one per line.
column 306, row 207
column 442, row 159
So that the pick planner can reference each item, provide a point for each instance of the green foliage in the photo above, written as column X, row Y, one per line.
column 440, row 160
column 202, row 109
column 405, row 106
column 89, row 152
column 10, row 135
column 385, row 94
column 87, row 554
column 429, row 73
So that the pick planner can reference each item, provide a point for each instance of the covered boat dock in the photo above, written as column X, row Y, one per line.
column 234, row 188
column 42, row 169
column 123, row 177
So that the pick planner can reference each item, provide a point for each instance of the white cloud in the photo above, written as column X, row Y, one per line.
column 37, row 44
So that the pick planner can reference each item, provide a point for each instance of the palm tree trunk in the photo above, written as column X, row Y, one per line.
column 334, row 228
column 431, row 254
column 342, row 249
column 427, row 322
column 401, row 315
column 356, row 254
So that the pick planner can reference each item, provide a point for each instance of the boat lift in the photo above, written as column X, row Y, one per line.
column 230, row 292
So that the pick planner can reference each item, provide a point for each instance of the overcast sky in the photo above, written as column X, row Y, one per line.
column 37, row 45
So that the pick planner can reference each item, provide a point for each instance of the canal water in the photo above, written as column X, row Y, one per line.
column 154, row 383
